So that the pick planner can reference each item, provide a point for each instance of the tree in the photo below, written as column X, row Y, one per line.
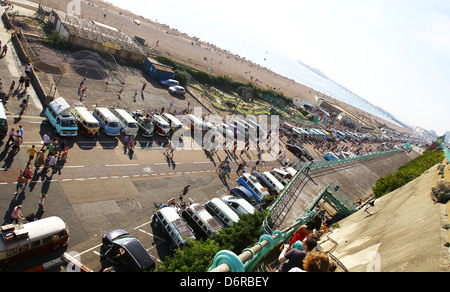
column 196, row 256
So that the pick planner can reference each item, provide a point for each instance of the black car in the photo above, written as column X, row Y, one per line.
column 299, row 151
column 242, row 192
column 125, row 252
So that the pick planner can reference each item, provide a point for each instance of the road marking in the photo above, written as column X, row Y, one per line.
column 121, row 165
column 92, row 248
column 152, row 235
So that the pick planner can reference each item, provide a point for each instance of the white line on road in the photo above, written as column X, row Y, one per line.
column 120, row 165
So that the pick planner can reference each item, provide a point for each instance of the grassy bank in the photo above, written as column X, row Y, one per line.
column 407, row 173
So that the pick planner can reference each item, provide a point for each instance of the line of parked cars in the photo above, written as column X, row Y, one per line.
column 70, row 120
column 178, row 224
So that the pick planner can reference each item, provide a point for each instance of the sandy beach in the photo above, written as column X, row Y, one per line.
column 180, row 47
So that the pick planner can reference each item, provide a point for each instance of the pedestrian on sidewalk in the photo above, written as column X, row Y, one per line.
column 31, row 152
column 83, row 94
column 17, row 214
column 186, row 190
column 41, row 209
column 28, row 69
column 23, row 106
column 11, row 88
column 27, row 83
column 46, row 139
column 21, row 180
column 11, row 134
column 81, row 85
column 21, row 83
column 5, row 50
column 52, row 163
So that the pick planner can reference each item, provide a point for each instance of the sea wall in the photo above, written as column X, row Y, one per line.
column 355, row 179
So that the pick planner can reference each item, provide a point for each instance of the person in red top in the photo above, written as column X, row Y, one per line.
column 306, row 230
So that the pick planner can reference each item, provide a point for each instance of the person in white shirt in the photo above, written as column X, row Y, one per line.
column 52, row 163
column 46, row 139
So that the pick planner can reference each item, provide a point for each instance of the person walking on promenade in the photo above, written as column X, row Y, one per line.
column 40, row 159
column 21, row 180
column 5, row 50
column 11, row 135
column 21, row 83
column 52, row 163
column 81, row 85
column 186, row 190
column 46, row 139
column 11, row 88
column 28, row 69
column 41, row 209
column 27, row 83
column 23, row 106
column 17, row 214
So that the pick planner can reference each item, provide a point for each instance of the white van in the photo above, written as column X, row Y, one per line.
column 128, row 123
column 239, row 205
column 281, row 175
column 175, row 124
column 194, row 123
column 292, row 172
column 173, row 227
column 203, row 223
column 3, row 122
column 276, row 183
column 217, row 208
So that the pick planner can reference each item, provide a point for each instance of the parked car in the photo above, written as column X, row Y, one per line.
column 239, row 205
column 242, row 192
column 125, row 252
column 330, row 156
column 169, row 82
column 146, row 127
column 225, row 130
column 295, row 149
column 177, row 89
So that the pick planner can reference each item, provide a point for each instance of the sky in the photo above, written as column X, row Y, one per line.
column 395, row 54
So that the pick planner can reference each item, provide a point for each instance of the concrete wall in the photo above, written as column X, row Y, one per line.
column 355, row 179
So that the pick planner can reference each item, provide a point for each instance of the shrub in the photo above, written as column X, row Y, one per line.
column 407, row 173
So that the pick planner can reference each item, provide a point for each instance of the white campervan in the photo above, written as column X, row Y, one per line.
column 128, row 123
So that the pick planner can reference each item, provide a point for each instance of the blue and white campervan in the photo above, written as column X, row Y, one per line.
column 60, row 117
